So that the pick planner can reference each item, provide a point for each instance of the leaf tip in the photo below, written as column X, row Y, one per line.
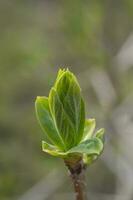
column 100, row 134
column 38, row 98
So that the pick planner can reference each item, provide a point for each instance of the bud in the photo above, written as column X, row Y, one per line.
column 62, row 114
column 62, row 118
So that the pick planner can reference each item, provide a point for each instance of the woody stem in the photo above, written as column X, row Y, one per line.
column 77, row 173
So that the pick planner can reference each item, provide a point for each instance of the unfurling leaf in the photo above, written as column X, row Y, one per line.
column 89, row 128
column 90, row 147
column 62, row 118
column 67, row 108
column 47, row 123
column 52, row 150
column 100, row 134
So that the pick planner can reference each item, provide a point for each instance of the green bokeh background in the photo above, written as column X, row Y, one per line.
column 36, row 39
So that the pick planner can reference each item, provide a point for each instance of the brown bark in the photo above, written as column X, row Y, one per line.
column 77, row 173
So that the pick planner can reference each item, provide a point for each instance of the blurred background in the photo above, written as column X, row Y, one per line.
column 95, row 40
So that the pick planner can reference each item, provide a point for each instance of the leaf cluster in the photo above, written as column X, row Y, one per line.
column 62, row 118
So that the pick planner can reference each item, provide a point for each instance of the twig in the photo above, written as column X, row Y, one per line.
column 77, row 173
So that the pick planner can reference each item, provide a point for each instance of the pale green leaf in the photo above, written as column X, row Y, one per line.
column 100, row 134
column 92, row 146
column 89, row 128
column 67, row 108
column 47, row 123
column 61, row 119
column 60, row 73
column 75, row 108
column 89, row 159
column 52, row 150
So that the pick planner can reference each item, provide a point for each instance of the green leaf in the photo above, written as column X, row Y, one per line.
column 92, row 146
column 61, row 119
column 60, row 73
column 47, row 123
column 52, row 150
column 100, row 134
column 67, row 108
column 75, row 108
column 89, row 128
column 89, row 159
column 62, row 83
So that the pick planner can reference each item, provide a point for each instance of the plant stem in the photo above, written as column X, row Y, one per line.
column 77, row 173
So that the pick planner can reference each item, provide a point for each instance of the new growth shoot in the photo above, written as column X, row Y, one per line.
column 69, row 134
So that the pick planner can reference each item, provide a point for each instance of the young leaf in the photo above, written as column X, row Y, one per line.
column 100, row 134
column 52, row 150
column 46, row 121
column 62, row 120
column 60, row 72
column 62, row 117
column 89, row 128
column 75, row 108
column 89, row 159
column 67, row 108
column 90, row 147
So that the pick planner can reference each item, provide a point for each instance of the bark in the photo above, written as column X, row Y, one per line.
column 77, row 173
